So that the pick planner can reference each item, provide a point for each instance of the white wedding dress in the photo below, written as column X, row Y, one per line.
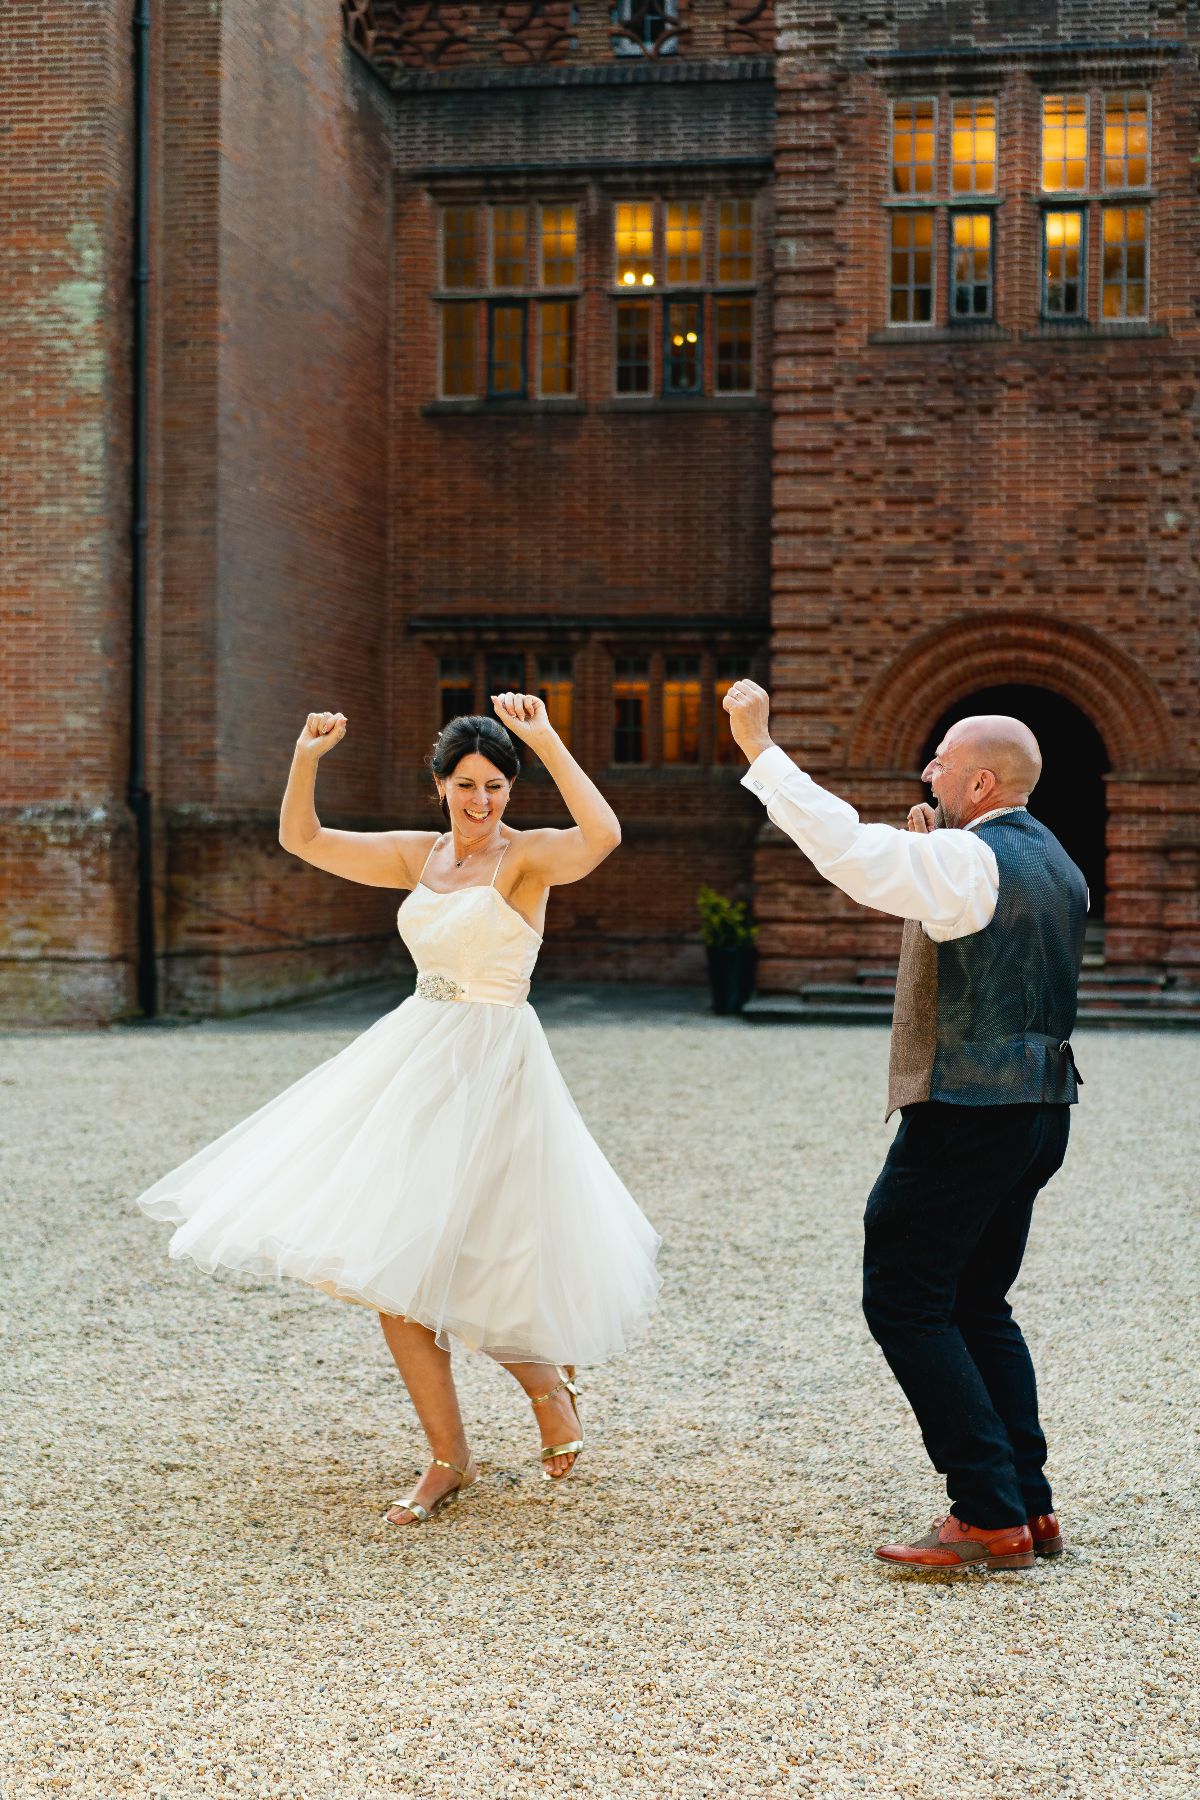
column 437, row 1167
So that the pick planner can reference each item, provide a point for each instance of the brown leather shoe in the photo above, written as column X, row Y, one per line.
column 1047, row 1539
column 953, row 1545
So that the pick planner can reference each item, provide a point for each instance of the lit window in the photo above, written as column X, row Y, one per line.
column 459, row 351
column 685, row 241
column 508, row 246
column 645, row 27
column 1123, row 293
column 506, row 349
column 912, row 268
column 633, row 243
column 914, row 146
column 633, row 347
column 725, row 751
column 1064, row 143
column 1126, row 140
column 456, row 687
column 559, row 242
column 735, row 346
column 631, row 706
column 735, row 240
column 681, row 710
column 971, row 265
column 683, row 358
column 460, row 264
column 504, row 674
column 556, row 686
column 556, row 348
column 1064, row 261
column 973, row 147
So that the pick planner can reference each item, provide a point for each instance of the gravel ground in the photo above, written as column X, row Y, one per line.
column 200, row 1598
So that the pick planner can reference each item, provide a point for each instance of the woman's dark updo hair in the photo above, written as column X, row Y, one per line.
column 473, row 735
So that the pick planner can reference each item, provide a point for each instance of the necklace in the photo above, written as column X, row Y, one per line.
column 468, row 854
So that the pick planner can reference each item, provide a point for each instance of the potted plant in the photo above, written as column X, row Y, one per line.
column 729, row 940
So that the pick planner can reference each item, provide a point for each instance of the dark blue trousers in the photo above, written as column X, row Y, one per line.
column 946, row 1226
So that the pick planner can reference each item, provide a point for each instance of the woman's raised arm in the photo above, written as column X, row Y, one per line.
column 372, row 858
column 558, row 857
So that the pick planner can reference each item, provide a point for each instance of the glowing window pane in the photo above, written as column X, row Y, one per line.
column 683, row 358
column 971, row 266
column 633, row 243
column 456, row 688
column 508, row 246
column 1064, row 289
column 556, row 686
column 1126, row 140
column 914, row 146
column 1064, row 143
column 681, row 710
column 685, row 240
column 1123, row 273
column 973, row 147
column 560, row 233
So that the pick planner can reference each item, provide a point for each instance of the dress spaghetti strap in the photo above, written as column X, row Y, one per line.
column 437, row 840
column 499, row 860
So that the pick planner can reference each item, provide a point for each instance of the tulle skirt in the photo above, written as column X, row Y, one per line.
column 437, row 1168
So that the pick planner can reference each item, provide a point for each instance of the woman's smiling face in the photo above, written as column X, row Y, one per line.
column 476, row 792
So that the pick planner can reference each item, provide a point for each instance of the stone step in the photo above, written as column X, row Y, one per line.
column 1095, row 979
column 833, row 1006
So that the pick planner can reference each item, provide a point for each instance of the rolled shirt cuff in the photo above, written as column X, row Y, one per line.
column 768, row 772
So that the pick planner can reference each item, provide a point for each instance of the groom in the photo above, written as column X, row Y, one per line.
column 983, row 1075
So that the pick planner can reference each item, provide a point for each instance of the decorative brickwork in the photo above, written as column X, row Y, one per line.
column 417, row 34
column 537, row 31
column 750, row 27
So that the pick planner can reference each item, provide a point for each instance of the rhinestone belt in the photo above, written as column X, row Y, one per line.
column 438, row 987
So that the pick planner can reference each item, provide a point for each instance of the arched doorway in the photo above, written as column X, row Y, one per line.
column 1069, row 798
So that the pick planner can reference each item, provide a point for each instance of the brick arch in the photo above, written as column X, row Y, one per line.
column 903, row 704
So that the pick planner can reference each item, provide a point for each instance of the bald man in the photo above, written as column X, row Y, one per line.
column 983, row 1076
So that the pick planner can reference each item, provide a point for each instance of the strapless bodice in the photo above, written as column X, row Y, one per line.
column 468, row 944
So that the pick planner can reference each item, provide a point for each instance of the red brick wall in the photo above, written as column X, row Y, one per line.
column 64, row 326
column 952, row 513
column 278, row 202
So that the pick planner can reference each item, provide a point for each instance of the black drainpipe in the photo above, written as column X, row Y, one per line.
column 137, row 794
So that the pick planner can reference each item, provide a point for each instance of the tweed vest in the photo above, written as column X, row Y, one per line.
column 985, row 1020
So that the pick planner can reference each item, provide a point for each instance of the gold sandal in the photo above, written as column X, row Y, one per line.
column 422, row 1513
column 567, row 1386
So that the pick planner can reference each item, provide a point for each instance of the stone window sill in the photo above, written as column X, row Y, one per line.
column 1058, row 332
column 685, row 403
column 498, row 409
column 967, row 333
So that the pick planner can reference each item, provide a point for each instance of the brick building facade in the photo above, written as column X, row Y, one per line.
column 610, row 349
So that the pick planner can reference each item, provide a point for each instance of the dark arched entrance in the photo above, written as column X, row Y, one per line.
column 1069, row 798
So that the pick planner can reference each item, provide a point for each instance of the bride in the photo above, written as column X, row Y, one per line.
column 437, row 1170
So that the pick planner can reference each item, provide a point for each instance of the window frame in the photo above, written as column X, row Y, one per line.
column 682, row 298
column 517, row 303
column 491, row 285
column 732, row 283
column 470, row 304
column 931, row 323
column 646, row 761
column 958, row 319
column 1129, row 187
column 449, row 206
column 895, row 193
column 1125, row 318
column 1083, row 316
column 555, row 288
column 624, row 44
column 730, row 297
column 1065, row 94
column 960, row 198
column 685, row 284
column 640, row 286
column 631, row 298
column 563, row 298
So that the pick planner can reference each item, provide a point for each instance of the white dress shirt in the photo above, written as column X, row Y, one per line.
column 948, row 879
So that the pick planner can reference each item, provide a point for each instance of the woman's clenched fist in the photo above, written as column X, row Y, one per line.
column 322, row 730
